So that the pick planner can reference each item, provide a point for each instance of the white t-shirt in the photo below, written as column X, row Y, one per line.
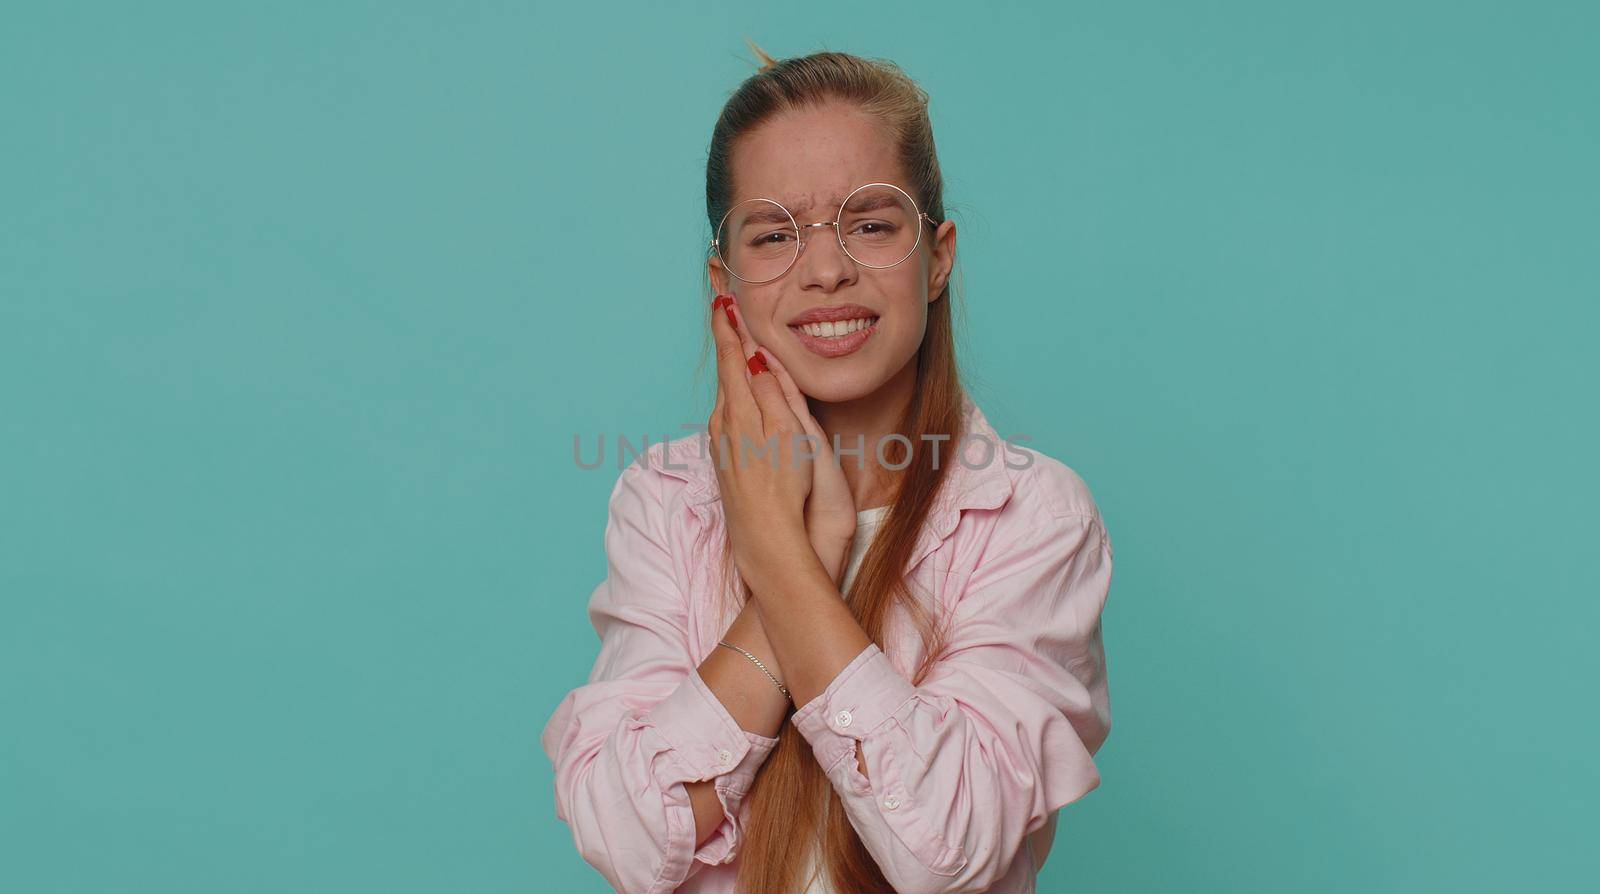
column 867, row 522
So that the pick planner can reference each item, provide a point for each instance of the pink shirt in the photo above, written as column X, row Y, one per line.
column 962, row 771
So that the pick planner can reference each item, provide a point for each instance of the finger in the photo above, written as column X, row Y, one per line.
column 714, row 424
column 776, row 415
column 747, row 340
column 797, row 401
column 735, row 315
column 791, row 392
column 772, row 419
column 732, row 372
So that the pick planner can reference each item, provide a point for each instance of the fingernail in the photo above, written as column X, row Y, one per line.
column 717, row 301
column 757, row 363
column 729, row 311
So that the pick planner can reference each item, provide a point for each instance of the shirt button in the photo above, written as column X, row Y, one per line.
column 724, row 756
column 843, row 717
column 891, row 802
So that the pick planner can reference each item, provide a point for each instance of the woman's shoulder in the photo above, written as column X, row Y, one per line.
column 1042, row 485
column 1031, row 484
column 1049, row 503
column 665, row 474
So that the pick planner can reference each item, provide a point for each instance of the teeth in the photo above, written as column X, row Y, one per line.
column 835, row 329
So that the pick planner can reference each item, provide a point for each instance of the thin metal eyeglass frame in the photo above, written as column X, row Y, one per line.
column 801, row 236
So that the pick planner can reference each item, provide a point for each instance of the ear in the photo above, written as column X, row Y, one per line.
column 943, row 259
column 720, row 279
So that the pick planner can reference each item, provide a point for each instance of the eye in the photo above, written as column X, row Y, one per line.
column 773, row 238
column 876, row 228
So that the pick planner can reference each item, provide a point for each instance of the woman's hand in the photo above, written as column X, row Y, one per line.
column 763, row 495
column 830, row 513
column 830, row 510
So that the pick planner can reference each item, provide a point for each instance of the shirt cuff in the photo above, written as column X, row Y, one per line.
column 706, row 741
column 731, row 789
column 860, row 698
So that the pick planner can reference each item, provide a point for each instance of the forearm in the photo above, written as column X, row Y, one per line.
column 832, row 551
column 810, row 628
column 747, row 693
column 749, row 696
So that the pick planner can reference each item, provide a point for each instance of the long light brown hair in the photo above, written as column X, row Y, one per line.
column 792, row 806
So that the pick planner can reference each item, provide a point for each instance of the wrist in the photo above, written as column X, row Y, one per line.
column 832, row 554
column 832, row 549
column 780, row 557
column 831, row 536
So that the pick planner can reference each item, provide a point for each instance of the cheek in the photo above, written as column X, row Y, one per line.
column 908, row 311
column 909, row 291
column 902, row 329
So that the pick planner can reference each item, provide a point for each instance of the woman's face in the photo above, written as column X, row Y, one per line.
column 810, row 160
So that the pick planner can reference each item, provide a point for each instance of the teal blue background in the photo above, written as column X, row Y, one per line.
column 302, row 305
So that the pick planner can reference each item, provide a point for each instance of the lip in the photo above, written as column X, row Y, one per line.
column 835, row 347
column 834, row 314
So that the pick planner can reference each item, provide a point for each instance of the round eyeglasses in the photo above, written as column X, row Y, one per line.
column 878, row 225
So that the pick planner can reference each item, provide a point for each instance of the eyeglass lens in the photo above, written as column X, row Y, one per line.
column 878, row 226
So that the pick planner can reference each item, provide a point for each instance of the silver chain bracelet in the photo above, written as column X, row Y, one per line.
column 781, row 687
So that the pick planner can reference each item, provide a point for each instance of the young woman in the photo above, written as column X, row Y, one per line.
column 876, row 668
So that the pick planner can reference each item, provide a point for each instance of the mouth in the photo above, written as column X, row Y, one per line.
column 835, row 338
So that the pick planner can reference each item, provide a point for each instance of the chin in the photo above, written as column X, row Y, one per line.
column 835, row 391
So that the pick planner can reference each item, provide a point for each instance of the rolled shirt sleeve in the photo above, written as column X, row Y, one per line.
column 626, row 744
column 1000, row 734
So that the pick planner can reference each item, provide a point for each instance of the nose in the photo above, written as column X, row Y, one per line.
column 830, row 271
column 806, row 236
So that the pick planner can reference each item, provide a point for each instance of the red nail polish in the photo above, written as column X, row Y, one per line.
column 757, row 363
column 729, row 312
column 718, row 301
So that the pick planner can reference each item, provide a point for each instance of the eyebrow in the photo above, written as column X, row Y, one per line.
column 834, row 201
column 768, row 215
